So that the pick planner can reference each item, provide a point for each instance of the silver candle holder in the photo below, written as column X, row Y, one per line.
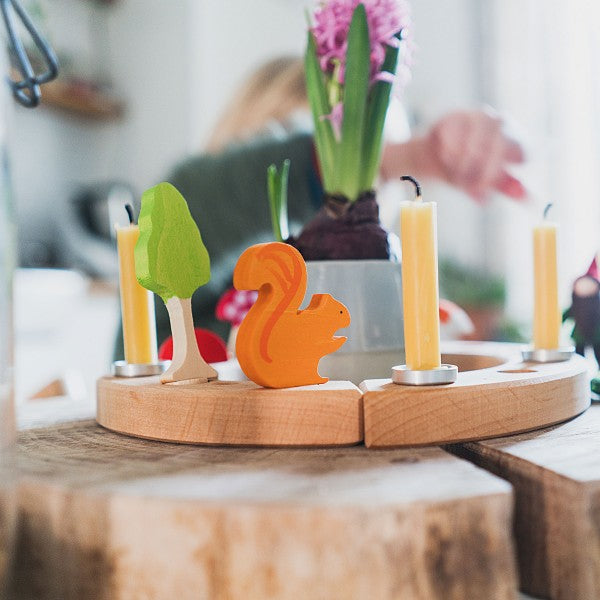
column 547, row 355
column 442, row 375
column 121, row 368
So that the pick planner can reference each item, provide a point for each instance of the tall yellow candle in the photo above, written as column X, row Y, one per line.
column 420, row 284
column 137, row 303
column 547, row 319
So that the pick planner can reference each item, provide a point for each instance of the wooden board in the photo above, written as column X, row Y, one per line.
column 504, row 397
column 108, row 516
column 556, row 477
column 232, row 412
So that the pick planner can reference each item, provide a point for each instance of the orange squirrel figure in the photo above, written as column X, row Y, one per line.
column 279, row 345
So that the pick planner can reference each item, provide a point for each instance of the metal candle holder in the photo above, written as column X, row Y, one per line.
column 548, row 355
column 442, row 375
column 120, row 368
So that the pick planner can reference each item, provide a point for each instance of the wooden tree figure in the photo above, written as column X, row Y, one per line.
column 172, row 261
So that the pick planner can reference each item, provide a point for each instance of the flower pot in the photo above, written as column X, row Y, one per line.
column 372, row 292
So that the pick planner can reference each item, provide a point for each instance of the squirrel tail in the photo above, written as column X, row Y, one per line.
column 278, row 272
column 276, row 265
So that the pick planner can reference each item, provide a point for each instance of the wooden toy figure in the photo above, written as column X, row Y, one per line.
column 585, row 312
column 279, row 345
column 172, row 261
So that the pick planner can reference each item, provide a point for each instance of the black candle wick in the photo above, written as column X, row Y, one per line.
column 129, row 210
column 548, row 207
column 415, row 183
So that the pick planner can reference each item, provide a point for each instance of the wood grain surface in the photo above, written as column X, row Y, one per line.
column 505, row 398
column 232, row 412
column 556, row 477
column 108, row 516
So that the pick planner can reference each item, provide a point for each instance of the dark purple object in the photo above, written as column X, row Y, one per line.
column 344, row 230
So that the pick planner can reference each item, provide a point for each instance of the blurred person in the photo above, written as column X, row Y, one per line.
column 272, row 101
column 267, row 121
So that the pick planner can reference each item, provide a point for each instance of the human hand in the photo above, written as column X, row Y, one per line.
column 470, row 150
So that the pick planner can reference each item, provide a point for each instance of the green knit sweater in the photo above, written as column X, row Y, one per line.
column 227, row 196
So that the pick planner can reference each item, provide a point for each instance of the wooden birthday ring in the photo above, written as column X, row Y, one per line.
column 496, row 394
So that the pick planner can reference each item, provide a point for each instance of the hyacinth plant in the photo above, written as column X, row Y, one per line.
column 351, row 60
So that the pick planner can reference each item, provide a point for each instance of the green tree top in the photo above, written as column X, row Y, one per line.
column 170, row 257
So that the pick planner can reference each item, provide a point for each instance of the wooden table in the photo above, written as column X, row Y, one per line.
column 555, row 474
column 107, row 516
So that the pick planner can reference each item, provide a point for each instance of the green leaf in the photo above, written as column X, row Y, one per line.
column 170, row 257
column 356, row 87
column 277, row 186
column 377, row 109
column 274, row 201
column 283, row 202
column 319, row 104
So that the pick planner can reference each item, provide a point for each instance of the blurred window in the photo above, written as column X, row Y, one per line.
column 541, row 65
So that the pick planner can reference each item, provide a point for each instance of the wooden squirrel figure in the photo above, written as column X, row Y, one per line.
column 278, row 345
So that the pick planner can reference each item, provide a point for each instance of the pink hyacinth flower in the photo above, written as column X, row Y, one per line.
column 335, row 117
column 385, row 18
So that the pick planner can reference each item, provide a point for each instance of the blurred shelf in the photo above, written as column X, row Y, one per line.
column 82, row 99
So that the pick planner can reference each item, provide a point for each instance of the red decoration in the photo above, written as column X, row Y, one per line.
column 211, row 346
column 593, row 270
column 234, row 305
column 455, row 323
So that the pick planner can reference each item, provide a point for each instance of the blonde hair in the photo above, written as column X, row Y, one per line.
column 273, row 92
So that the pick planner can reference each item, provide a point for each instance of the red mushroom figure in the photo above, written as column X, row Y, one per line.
column 232, row 307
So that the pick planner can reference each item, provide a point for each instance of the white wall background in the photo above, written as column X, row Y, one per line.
column 547, row 78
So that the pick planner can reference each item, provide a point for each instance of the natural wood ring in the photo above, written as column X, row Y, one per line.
column 495, row 394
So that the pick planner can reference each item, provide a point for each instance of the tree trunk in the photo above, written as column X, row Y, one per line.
column 187, row 362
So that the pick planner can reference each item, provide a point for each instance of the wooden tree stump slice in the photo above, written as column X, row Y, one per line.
column 504, row 397
column 556, row 477
column 232, row 412
column 109, row 516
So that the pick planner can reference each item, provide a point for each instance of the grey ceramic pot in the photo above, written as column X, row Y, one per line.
column 372, row 292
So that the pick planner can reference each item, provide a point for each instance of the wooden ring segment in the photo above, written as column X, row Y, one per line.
column 495, row 394
column 232, row 412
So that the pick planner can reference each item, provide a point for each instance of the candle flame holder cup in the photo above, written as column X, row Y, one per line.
column 442, row 375
column 547, row 355
column 120, row 368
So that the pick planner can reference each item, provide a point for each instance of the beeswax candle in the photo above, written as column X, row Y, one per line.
column 420, row 284
column 546, row 322
column 137, row 303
